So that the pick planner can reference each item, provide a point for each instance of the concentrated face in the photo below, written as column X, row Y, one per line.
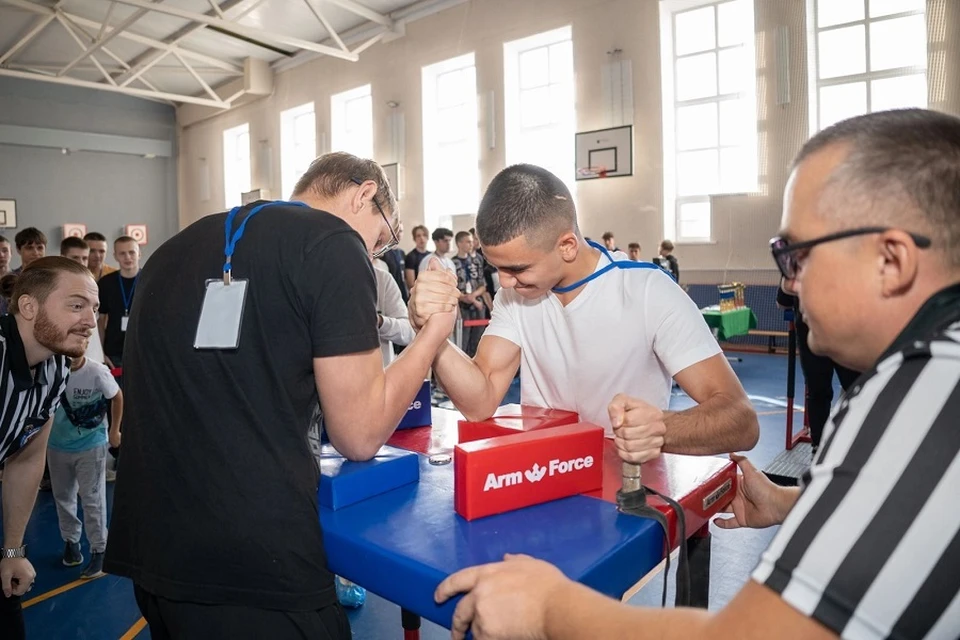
column 98, row 253
column 127, row 255
column 78, row 255
column 465, row 245
column 635, row 254
column 420, row 239
column 31, row 252
column 530, row 271
column 4, row 256
column 67, row 319
column 443, row 245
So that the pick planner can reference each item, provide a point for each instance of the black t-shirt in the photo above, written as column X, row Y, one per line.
column 113, row 303
column 216, row 501
column 414, row 258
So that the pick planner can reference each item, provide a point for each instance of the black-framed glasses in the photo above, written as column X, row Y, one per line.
column 787, row 254
column 394, row 236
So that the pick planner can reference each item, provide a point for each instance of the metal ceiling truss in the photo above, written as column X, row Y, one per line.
column 92, row 37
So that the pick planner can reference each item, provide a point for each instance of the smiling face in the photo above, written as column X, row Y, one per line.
column 66, row 320
column 531, row 271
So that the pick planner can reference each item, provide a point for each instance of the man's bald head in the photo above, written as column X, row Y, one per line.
column 900, row 169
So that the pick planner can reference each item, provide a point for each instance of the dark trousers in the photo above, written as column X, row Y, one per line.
column 169, row 619
column 11, row 618
column 818, row 372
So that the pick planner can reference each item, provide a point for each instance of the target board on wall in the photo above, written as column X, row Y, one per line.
column 74, row 230
column 138, row 232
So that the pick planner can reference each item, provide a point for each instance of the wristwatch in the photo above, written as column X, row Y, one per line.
column 16, row 552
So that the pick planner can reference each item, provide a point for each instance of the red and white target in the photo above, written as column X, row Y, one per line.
column 138, row 232
column 74, row 230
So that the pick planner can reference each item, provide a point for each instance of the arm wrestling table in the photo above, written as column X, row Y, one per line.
column 403, row 543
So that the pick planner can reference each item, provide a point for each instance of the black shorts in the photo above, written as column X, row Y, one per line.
column 188, row 620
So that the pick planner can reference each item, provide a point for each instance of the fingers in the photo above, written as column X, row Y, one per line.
column 743, row 463
column 625, row 410
column 6, row 577
column 459, row 582
column 434, row 264
column 639, row 451
column 463, row 617
column 617, row 409
column 727, row 523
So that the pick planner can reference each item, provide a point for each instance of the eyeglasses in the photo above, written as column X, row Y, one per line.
column 788, row 255
column 394, row 236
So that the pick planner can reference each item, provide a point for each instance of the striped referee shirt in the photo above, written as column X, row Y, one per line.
column 30, row 396
column 872, row 547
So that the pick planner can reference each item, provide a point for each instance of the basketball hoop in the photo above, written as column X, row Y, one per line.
column 591, row 172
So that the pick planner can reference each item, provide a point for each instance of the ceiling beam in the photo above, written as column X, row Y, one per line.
column 250, row 32
column 325, row 24
column 364, row 12
column 130, row 91
column 83, row 46
column 38, row 26
column 104, row 38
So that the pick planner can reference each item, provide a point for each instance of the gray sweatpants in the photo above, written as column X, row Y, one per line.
column 83, row 473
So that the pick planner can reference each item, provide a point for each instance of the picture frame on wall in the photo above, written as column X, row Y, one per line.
column 8, row 214
column 74, row 230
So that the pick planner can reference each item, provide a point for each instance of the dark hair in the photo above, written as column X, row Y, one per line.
column 30, row 235
column 525, row 200
column 124, row 239
column 331, row 173
column 95, row 236
column 40, row 278
column 72, row 242
column 898, row 160
column 666, row 245
column 440, row 233
column 420, row 227
column 4, row 239
column 634, row 245
column 607, row 235
column 7, row 283
column 461, row 235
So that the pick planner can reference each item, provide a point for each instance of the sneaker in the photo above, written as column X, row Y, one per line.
column 94, row 568
column 71, row 554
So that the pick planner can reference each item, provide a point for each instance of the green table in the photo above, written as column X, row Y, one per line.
column 729, row 324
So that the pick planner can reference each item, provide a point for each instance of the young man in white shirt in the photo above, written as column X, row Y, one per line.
column 597, row 339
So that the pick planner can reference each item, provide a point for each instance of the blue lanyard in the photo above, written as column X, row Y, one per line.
column 614, row 264
column 128, row 300
column 233, row 238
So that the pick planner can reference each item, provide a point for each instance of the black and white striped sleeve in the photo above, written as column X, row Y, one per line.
column 872, row 547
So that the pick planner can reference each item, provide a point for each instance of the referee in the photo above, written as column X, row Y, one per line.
column 52, row 315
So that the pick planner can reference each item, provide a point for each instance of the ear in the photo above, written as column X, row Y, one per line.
column 363, row 196
column 569, row 246
column 898, row 259
column 28, row 306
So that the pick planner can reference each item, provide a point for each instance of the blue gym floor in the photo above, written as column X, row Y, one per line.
column 62, row 606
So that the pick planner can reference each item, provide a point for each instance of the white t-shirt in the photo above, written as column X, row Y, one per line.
column 629, row 331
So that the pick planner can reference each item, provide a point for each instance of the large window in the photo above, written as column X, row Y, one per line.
column 236, row 164
column 450, row 142
column 298, row 144
column 352, row 122
column 865, row 56
column 540, row 109
column 709, row 106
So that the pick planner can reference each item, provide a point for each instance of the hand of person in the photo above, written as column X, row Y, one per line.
column 478, row 304
column 638, row 428
column 435, row 291
column 114, row 437
column 758, row 503
column 16, row 576
column 502, row 600
column 107, row 361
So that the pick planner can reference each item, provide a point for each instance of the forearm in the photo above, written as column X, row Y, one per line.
column 116, row 412
column 578, row 612
column 402, row 379
column 472, row 392
column 720, row 424
column 21, row 481
column 786, row 498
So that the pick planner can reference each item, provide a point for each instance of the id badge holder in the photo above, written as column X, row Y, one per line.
column 221, row 315
column 123, row 323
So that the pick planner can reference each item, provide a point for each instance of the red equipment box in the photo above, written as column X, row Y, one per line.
column 514, row 418
column 501, row 474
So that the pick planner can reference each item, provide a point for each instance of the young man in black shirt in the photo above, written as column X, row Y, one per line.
column 116, row 299
column 416, row 256
column 215, row 513
column 52, row 315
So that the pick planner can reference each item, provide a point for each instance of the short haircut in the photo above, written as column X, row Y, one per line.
column 420, row 227
column 526, row 200
column 72, row 242
column 95, row 236
column 330, row 174
column 902, row 170
column 440, row 233
column 40, row 278
column 607, row 235
column 4, row 239
column 30, row 235
column 124, row 239
column 461, row 235
column 666, row 245
column 634, row 245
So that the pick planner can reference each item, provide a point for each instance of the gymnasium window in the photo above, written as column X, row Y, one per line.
column 236, row 164
column 709, row 107
column 352, row 122
column 865, row 56
column 451, row 171
column 298, row 144
column 540, row 107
